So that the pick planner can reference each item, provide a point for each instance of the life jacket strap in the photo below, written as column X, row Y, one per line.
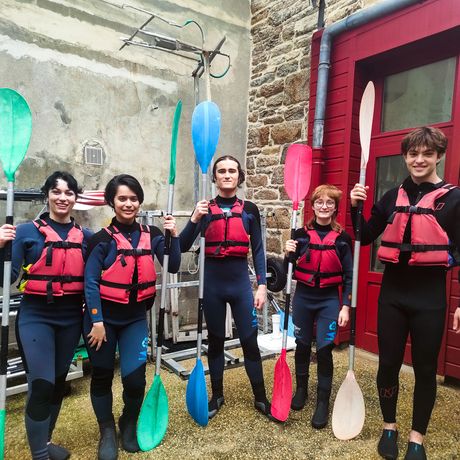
column 408, row 247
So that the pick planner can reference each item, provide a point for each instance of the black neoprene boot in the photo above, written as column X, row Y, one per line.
column 388, row 445
column 217, row 400
column 415, row 451
column 108, row 443
column 56, row 452
column 321, row 415
column 301, row 393
column 127, row 424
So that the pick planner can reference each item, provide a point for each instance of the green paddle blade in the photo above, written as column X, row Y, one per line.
column 153, row 418
column 175, row 130
column 15, row 130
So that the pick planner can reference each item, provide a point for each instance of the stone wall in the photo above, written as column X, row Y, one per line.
column 278, row 98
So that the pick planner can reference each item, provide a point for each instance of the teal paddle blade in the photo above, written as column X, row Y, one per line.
column 153, row 418
column 175, row 131
column 205, row 132
column 197, row 395
column 15, row 130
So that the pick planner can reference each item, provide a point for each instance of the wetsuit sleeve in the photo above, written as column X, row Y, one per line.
column 189, row 234
column 158, row 246
column 27, row 248
column 87, row 234
column 97, row 251
column 346, row 259
column 255, row 234
column 381, row 211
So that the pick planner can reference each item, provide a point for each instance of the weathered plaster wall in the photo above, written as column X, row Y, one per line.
column 64, row 57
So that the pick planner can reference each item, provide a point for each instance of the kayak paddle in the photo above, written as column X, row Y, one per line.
column 297, row 175
column 15, row 132
column 349, row 410
column 153, row 418
column 205, row 135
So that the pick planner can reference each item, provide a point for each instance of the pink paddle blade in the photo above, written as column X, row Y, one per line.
column 297, row 172
column 282, row 389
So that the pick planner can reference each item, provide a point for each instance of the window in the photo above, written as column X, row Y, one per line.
column 419, row 96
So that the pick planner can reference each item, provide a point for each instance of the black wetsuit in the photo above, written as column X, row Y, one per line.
column 412, row 302
column 125, row 324
column 227, row 280
column 47, row 335
column 313, row 303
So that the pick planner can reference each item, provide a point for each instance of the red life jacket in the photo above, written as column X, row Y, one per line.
column 59, row 270
column 429, row 242
column 225, row 234
column 320, row 261
column 117, row 281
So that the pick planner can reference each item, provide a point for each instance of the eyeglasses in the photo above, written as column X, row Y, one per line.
column 320, row 203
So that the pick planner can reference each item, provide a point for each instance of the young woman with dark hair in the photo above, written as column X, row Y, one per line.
column 232, row 225
column 119, row 289
column 50, row 250
column 323, row 264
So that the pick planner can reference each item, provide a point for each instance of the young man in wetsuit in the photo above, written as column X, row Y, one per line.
column 421, row 231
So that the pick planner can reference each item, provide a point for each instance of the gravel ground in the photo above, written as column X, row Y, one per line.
column 239, row 432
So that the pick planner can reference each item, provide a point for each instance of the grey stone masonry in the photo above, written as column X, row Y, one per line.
column 281, row 33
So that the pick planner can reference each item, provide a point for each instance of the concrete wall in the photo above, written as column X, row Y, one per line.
column 63, row 57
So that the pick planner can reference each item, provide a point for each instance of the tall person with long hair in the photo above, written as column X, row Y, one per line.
column 323, row 264
column 50, row 250
column 232, row 226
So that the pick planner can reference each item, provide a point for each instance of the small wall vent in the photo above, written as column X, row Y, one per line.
column 94, row 155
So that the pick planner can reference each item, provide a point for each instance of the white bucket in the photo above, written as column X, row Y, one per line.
column 276, row 326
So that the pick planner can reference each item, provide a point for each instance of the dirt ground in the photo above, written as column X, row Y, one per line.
column 239, row 432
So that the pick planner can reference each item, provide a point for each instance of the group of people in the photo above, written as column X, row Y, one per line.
column 114, row 271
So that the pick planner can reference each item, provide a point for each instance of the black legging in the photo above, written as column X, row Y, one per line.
column 400, row 314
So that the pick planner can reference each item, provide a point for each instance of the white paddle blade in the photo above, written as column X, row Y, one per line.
column 349, row 410
column 366, row 114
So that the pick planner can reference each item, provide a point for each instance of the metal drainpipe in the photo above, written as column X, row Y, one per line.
column 351, row 22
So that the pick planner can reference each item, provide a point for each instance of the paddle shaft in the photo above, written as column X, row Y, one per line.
column 354, row 288
column 5, row 317
column 287, row 305
column 164, row 283
column 201, row 261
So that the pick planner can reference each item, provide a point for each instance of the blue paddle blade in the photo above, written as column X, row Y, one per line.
column 197, row 395
column 205, row 132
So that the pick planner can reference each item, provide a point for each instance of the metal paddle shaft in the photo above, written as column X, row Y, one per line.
column 349, row 409
column 297, row 175
column 15, row 133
